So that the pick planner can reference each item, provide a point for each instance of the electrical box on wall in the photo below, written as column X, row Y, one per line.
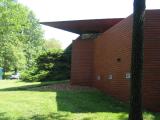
column 128, row 75
column 98, row 77
column 110, row 77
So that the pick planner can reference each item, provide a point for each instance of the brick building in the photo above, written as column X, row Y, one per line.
column 101, row 56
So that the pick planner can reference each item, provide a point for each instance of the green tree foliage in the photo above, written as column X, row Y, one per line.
column 13, row 57
column 52, row 65
column 51, row 44
column 33, row 39
column 137, row 61
column 21, row 37
column 46, row 61
column 66, row 57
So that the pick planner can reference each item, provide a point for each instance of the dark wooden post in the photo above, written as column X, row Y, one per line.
column 137, row 61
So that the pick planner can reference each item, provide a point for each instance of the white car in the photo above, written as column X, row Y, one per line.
column 15, row 76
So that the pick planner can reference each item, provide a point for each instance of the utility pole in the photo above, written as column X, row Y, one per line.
column 137, row 61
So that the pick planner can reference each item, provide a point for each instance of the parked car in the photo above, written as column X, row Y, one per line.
column 15, row 76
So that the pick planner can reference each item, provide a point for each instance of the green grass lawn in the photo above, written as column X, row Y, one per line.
column 37, row 101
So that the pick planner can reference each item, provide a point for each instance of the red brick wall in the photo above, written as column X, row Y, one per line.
column 82, row 62
column 152, row 60
column 116, row 43
column 92, row 58
column 112, row 45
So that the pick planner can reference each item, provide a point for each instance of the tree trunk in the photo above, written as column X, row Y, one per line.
column 4, row 72
column 137, row 61
column 15, row 70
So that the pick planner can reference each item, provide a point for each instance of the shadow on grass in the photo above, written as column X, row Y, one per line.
column 3, row 116
column 75, row 101
column 33, row 87
column 84, row 102
column 156, row 116
column 25, row 87
column 78, row 101
column 51, row 116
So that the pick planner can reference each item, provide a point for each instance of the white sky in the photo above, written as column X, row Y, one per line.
column 59, row 10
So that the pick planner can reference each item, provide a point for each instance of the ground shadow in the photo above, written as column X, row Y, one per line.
column 84, row 102
column 156, row 116
column 76, row 101
column 3, row 116
column 33, row 87
column 51, row 116
column 25, row 87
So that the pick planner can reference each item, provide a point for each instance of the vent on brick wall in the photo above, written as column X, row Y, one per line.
column 98, row 77
column 128, row 75
column 110, row 77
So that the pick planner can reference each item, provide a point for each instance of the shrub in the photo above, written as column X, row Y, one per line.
column 32, row 74
column 51, row 65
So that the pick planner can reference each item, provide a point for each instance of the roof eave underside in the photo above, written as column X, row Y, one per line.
column 84, row 26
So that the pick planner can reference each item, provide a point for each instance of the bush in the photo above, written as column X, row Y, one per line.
column 51, row 65
column 32, row 74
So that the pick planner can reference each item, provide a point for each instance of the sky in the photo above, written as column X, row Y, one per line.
column 61, row 10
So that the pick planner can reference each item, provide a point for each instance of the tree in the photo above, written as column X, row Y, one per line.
column 13, row 57
column 57, row 63
column 10, row 24
column 32, row 39
column 51, row 65
column 52, row 44
column 21, row 37
column 137, row 61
